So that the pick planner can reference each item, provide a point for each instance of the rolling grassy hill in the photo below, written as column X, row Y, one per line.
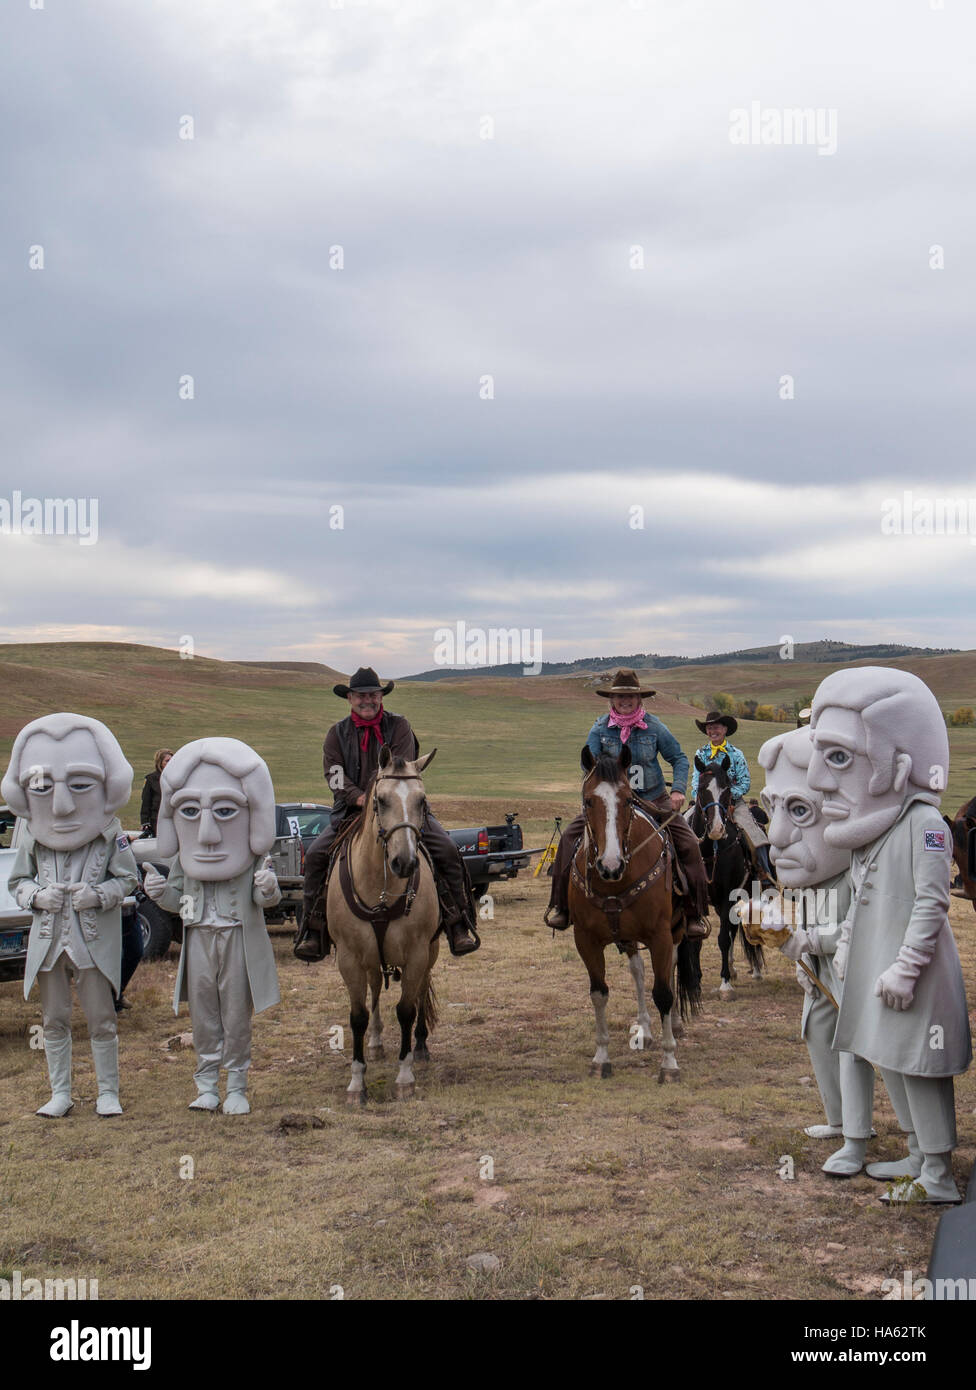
column 502, row 743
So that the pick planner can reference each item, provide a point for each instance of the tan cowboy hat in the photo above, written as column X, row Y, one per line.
column 364, row 679
column 625, row 682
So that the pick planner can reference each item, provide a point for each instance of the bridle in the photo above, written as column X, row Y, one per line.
column 383, row 836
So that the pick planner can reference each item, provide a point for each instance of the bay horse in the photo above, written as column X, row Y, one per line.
column 620, row 894
column 727, row 862
column 963, row 828
column 383, row 915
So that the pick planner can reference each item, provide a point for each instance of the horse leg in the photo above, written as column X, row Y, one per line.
column 591, row 955
column 425, row 1009
column 643, row 1025
column 663, row 957
column 726, row 944
column 414, row 975
column 354, row 976
column 374, row 1034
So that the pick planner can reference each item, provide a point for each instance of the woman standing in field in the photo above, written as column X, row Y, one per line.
column 151, row 792
column 630, row 725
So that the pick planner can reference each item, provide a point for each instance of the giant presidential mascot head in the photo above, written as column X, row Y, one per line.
column 879, row 740
column 68, row 777
column 217, row 809
column 799, row 851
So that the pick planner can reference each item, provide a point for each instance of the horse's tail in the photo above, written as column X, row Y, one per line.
column 427, row 1008
column 689, row 978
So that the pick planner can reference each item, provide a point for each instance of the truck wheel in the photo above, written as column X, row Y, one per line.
column 157, row 930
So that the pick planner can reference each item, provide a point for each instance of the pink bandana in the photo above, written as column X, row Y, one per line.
column 626, row 722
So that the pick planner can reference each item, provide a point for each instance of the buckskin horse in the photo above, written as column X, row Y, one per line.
column 383, row 917
column 727, row 863
column 963, row 828
column 620, row 894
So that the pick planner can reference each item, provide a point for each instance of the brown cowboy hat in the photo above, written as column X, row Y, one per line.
column 364, row 679
column 713, row 717
column 625, row 682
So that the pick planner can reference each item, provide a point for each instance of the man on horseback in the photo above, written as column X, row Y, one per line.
column 719, row 729
column 630, row 725
column 350, row 756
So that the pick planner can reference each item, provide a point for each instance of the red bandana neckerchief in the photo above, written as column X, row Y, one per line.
column 366, row 724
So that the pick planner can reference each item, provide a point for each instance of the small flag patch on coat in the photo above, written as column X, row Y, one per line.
column 935, row 840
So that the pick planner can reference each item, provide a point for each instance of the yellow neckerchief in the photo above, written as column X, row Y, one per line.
column 718, row 748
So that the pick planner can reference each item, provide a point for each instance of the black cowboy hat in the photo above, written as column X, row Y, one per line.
column 625, row 682
column 713, row 717
column 364, row 679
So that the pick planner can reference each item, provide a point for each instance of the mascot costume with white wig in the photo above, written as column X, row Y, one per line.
column 880, row 760
column 817, row 875
column 217, row 813
column 68, row 777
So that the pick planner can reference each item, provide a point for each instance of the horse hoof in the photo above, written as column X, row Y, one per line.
column 403, row 1090
column 356, row 1097
column 420, row 1054
column 666, row 1074
column 756, row 975
column 726, row 991
column 375, row 1052
column 601, row 1069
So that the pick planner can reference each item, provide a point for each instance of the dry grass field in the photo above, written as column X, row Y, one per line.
column 597, row 1187
column 580, row 1188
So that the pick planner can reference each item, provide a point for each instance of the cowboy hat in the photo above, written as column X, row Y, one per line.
column 625, row 682
column 713, row 717
column 364, row 679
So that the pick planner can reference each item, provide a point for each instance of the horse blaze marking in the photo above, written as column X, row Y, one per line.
column 611, row 854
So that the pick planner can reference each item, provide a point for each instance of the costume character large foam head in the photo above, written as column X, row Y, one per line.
column 68, row 777
column 217, row 808
column 879, row 737
column 799, row 851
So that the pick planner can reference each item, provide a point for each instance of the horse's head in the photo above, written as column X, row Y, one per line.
column 399, row 806
column 713, row 804
column 606, row 805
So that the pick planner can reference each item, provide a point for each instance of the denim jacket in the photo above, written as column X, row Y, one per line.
column 644, row 745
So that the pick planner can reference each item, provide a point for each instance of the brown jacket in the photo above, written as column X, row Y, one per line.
column 341, row 751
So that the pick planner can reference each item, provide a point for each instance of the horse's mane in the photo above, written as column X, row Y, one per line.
column 606, row 768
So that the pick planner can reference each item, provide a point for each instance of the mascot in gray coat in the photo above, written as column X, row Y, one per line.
column 217, row 813
column 881, row 760
column 816, row 877
column 68, row 777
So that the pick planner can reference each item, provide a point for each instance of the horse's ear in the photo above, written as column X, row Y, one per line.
column 724, row 761
column 587, row 760
column 425, row 760
column 624, row 759
column 699, row 764
column 386, row 757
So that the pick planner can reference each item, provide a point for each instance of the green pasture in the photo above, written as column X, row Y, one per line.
column 500, row 747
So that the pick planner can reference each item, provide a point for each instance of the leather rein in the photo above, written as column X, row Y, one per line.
column 388, row 909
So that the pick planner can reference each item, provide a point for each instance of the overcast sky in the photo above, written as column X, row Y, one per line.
column 362, row 125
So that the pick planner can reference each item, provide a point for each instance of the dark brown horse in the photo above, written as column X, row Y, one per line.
column 963, row 828
column 620, row 895
column 726, row 863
